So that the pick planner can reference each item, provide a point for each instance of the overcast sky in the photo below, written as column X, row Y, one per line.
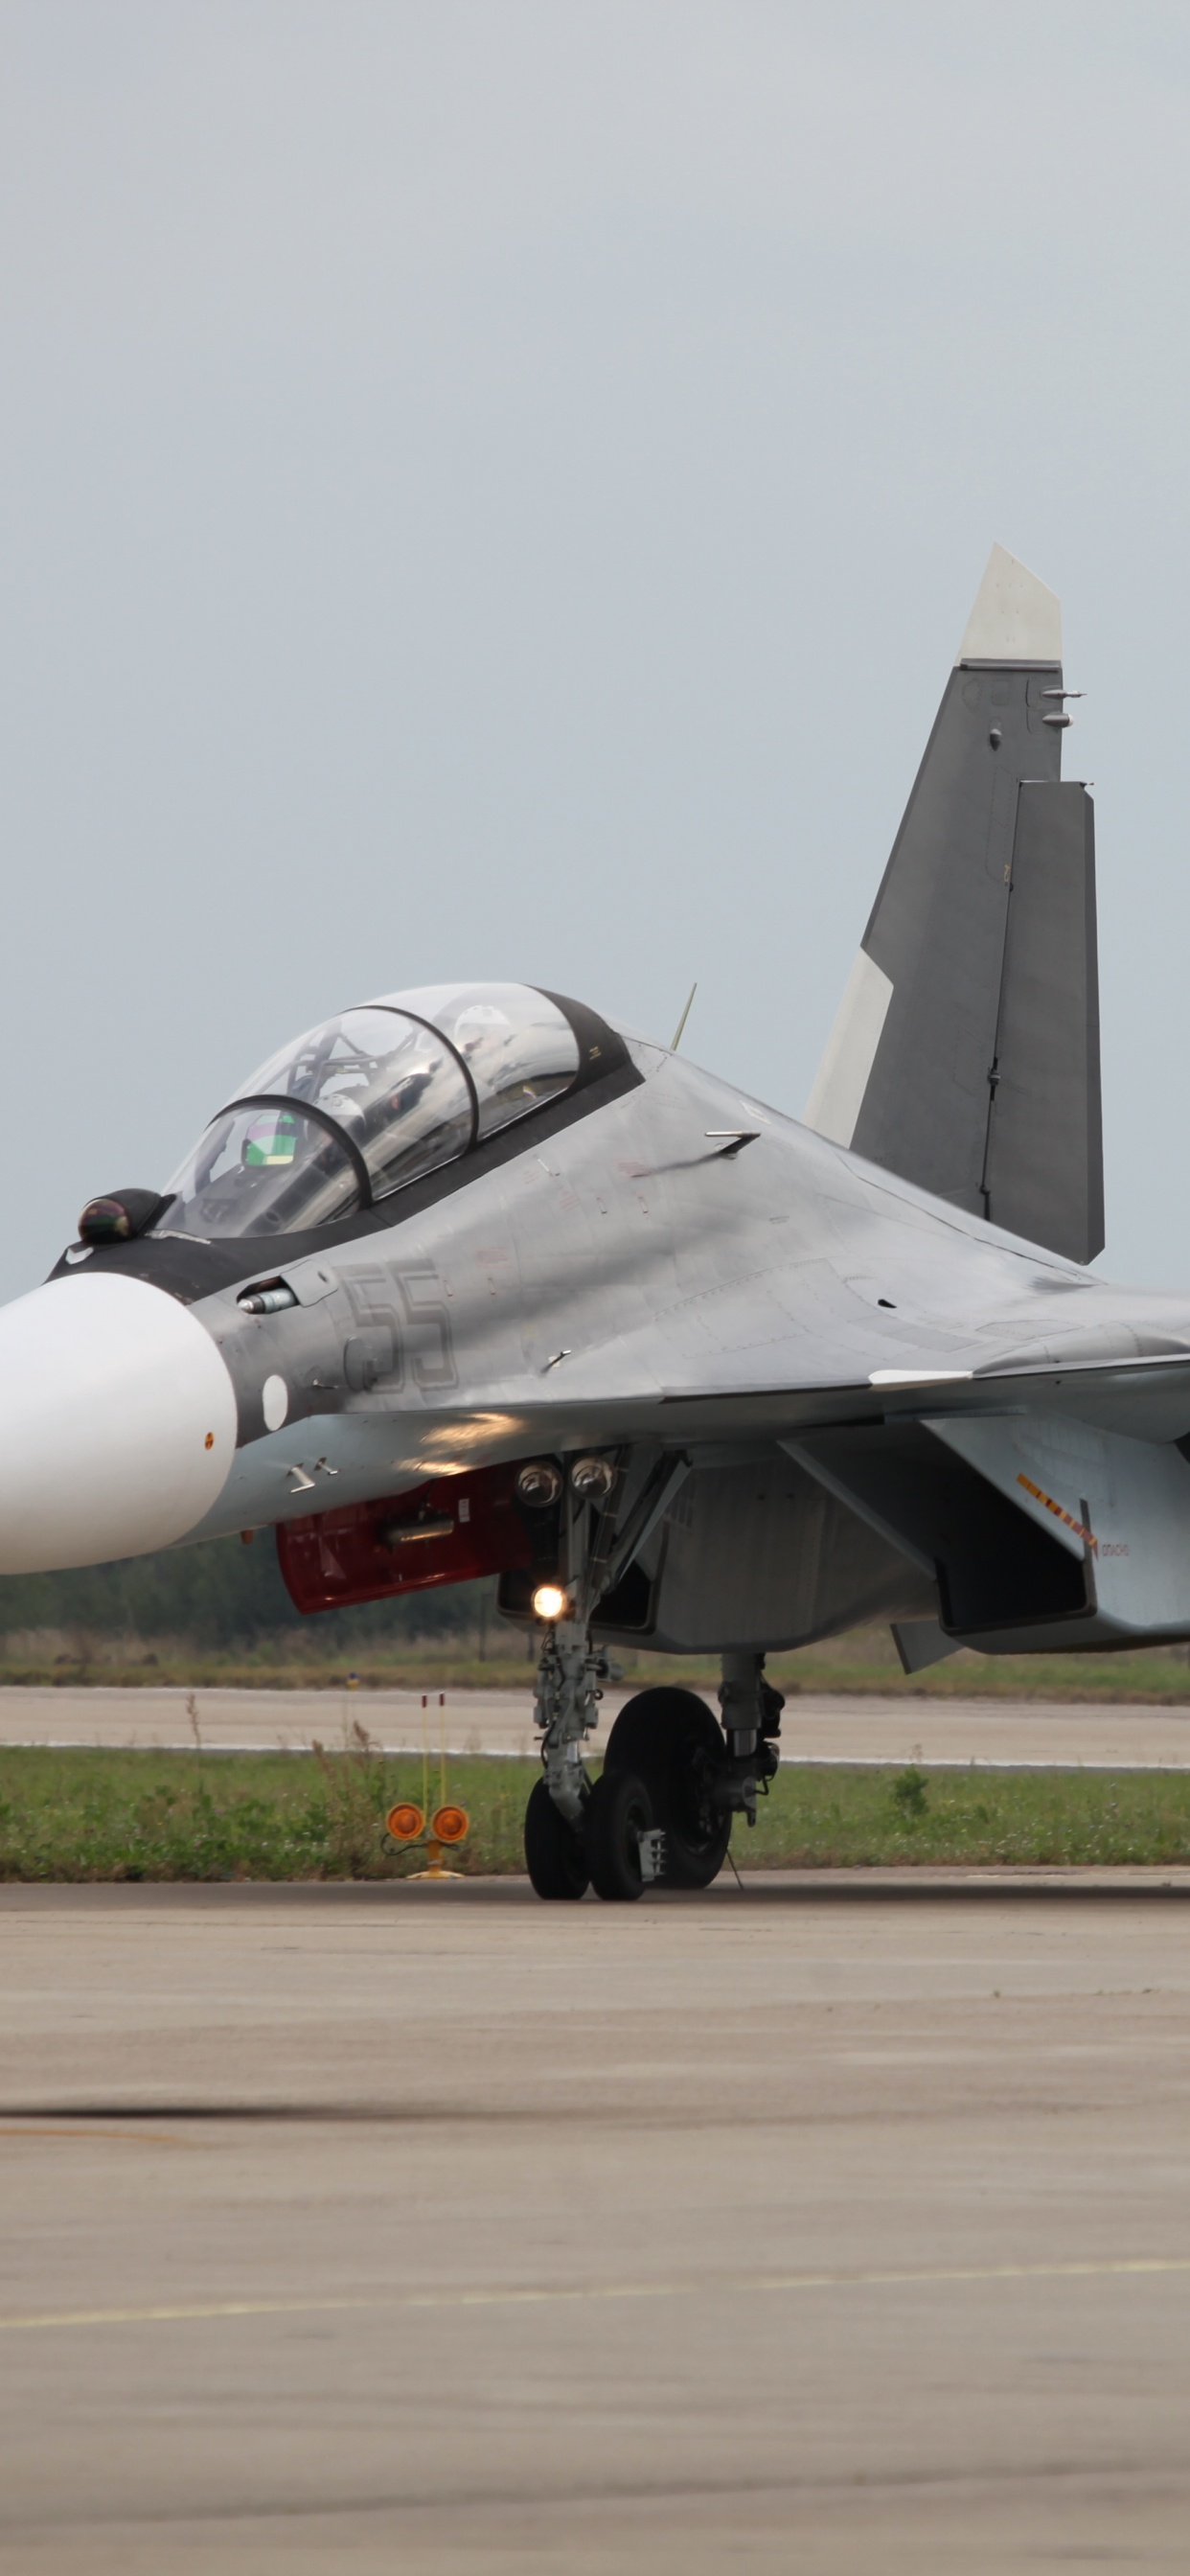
column 494, row 487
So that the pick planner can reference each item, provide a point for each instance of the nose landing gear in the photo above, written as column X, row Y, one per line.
column 663, row 1806
column 566, row 1708
column 672, row 1777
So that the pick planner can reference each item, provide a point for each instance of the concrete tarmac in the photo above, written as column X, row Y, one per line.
column 834, row 2224
column 819, row 1728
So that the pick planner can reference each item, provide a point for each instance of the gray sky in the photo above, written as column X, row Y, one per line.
column 495, row 487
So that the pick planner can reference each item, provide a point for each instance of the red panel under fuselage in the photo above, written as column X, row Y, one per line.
column 448, row 1531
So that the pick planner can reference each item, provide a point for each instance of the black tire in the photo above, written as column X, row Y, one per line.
column 555, row 1856
column 619, row 1810
column 671, row 1741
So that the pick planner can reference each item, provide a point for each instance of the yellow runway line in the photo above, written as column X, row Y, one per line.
column 760, row 2284
column 123, row 2137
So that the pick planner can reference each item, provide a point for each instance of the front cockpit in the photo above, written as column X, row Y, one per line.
column 369, row 1102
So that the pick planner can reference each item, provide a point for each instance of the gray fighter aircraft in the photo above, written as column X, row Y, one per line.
column 470, row 1280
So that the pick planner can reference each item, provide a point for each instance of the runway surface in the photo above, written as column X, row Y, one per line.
column 833, row 2225
column 821, row 1728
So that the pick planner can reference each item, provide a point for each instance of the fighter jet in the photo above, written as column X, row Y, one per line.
column 470, row 1280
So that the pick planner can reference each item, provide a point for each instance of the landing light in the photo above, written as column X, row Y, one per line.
column 549, row 1601
column 593, row 1478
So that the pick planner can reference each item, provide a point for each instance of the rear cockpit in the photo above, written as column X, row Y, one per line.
column 367, row 1103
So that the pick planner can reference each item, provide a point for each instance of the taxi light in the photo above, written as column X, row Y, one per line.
column 404, row 1821
column 450, row 1825
column 593, row 1478
column 549, row 1601
column 539, row 1483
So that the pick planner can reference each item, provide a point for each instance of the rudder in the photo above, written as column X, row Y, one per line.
column 965, row 1056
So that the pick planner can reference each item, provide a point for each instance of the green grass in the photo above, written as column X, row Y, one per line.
column 321, row 1657
column 72, row 1814
column 820, row 1817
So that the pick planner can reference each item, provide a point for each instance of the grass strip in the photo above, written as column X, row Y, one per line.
column 864, row 1663
column 70, row 1813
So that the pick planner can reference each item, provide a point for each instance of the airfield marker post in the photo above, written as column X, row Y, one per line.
column 405, row 1824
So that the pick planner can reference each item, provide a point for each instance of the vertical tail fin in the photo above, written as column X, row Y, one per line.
column 965, row 1055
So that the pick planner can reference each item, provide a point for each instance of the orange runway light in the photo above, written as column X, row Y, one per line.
column 405, row 1821
column 450, row 1825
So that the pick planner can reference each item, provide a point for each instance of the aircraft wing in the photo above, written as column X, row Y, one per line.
column 774, row 1380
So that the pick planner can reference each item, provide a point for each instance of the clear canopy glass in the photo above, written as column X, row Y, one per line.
column 519, row 1048
column 262, row 1171
column 391, row 1084
column 407, row 1084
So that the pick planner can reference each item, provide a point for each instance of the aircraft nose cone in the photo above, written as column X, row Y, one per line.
column 117, row 1423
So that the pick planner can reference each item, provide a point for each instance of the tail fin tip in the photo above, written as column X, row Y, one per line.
column 1015, row 617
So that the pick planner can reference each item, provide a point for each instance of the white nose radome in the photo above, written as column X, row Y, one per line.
column 117, row 1423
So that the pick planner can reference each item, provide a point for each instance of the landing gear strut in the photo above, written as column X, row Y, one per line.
column 751, row 1718
column 672, row 1779
column 566, row 1707
column 564, row 1849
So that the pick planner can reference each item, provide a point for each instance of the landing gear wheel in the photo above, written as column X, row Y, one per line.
column 555, row 1856
column 619, row 1811
column 671, row 1741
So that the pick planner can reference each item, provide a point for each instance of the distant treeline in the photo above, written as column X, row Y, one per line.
column 221, row 1594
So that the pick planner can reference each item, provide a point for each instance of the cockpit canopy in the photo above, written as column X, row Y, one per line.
column 368, row 1102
